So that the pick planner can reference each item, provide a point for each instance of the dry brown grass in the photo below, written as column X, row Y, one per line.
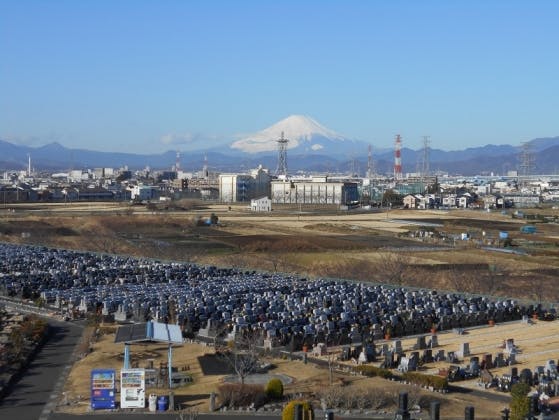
column 307, row 378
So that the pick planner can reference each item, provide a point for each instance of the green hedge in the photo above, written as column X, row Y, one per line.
column 437, row 382
column 371, row 371
column 289, row 410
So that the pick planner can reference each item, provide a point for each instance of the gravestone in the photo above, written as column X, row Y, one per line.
column 362, row 358
column 463, row 350
column 370, row 352
column 120, row 314
column 420, row 345
column 440, row 357
column 509, row 346
column 356, row 351
column 451, row 357
column 551, row 369
column 345, row 356
column 320, row 350
column 487, row 362
column 474, row 366
column 499, row 360
column 398, row 347
column 526, row 377
column 384, row 349
column 389, row 360
column 268, row 344
column 434, row 341
column 427, row 356
column 83, row 305
column 413, row 361
column 403, row 366
column 511, row 360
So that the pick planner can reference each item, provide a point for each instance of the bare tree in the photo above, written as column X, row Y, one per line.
column 243, row 354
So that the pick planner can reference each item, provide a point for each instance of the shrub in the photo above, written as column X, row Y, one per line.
column 274, row 388
column 520, row 403
column 371, row 371
column 260, row 399
column 437, row 382
column 352, row 397
column 289, row 410
column 239, row 395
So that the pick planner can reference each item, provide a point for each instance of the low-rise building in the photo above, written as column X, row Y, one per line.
column 143, row 192
column 261, row 204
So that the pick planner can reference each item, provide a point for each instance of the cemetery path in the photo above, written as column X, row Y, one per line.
column 478, row 393
column 35, row 394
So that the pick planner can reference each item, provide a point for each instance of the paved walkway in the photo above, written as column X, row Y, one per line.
column 35, row 395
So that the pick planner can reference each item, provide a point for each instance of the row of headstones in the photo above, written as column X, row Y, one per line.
column 540, row 376
column 410, row 327
column 403, row 412
column 544, row 376
column 448, row 322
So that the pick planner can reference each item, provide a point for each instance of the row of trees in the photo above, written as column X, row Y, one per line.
column 24, row 337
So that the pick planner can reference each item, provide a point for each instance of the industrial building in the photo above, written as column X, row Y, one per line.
column 244, row 187
column 314, row 190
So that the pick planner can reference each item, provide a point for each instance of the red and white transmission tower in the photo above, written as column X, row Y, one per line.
column 398, row 157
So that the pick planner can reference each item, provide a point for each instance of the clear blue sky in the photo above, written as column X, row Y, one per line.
column 132, row 75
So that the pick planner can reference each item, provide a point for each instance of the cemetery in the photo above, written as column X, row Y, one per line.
column 473, row 341
column 285, row 309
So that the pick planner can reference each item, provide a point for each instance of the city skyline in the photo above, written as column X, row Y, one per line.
column 149, row 77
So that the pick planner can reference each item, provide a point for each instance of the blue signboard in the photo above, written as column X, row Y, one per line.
column 103, row 388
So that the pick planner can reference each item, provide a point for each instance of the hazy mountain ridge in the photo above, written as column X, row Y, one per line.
column 311, row 148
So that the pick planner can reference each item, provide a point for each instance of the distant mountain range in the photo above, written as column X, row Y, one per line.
column 311, row 148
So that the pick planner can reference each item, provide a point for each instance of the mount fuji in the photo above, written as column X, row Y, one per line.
column 304, row 135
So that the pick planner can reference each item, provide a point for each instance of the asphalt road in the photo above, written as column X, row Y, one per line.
column 175, row 416
column 34, row 395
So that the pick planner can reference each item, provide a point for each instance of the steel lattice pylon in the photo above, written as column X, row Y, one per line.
column 282, row 156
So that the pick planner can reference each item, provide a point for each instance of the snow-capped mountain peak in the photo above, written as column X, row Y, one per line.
column 300, row 130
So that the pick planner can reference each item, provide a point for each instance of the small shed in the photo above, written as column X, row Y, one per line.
column 261, row 204
column 147, row 332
